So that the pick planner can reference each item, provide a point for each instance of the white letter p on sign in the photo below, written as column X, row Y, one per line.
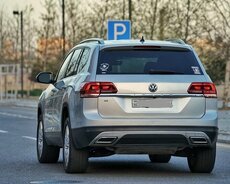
column 116, row 32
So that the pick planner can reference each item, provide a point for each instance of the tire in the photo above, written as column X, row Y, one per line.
column 45, row 153
column 202, row 160
column 74, row 160
column 160, row 158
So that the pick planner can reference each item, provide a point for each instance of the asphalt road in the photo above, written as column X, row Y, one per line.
column 18, row 162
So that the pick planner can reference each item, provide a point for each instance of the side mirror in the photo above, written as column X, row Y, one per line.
column 45, row 77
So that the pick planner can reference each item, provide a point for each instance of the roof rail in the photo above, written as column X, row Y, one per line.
column 180, row 41
column 99, row 40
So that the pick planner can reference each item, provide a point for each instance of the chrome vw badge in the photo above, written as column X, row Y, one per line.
column 152, row 87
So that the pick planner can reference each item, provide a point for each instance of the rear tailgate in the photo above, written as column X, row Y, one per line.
column 134, row 69
column 134, row 100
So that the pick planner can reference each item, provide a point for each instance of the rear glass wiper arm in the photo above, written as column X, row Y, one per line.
column 164, row 72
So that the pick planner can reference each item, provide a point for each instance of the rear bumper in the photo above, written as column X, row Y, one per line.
column 144, row 136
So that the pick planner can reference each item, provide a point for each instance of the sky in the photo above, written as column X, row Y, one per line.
column 10, row 5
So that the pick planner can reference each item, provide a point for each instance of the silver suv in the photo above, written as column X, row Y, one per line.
column 128, row 97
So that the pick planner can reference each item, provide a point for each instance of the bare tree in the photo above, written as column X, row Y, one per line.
column 154, row 6
column 205, row 24
column 48, row 33
column 7, row 36
column 220, row 24
column 1, row 34
column 73, row 15
column 29, row 29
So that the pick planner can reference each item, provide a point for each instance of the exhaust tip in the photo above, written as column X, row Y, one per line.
column 106, row 140
column 198, row 140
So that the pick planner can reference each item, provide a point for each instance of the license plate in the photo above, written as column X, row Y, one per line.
column 152, row 103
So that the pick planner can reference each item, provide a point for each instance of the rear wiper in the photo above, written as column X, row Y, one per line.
column 163, row 72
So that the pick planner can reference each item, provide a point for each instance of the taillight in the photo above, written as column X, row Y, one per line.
column 208, row 89
column 94, row 89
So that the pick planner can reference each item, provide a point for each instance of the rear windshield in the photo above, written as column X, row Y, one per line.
column 148, row 62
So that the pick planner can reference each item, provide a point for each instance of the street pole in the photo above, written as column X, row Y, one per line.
column 123, row 11
column 130, row 14
column 63, row 28
column 17, row 37
column 16, row 58
column 22, row 58
column 130, row 10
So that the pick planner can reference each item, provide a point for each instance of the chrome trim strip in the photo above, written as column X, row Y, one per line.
column 151, row 95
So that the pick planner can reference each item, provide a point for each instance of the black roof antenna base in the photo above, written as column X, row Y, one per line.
column 142, row 40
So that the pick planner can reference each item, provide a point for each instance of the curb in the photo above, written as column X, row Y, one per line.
column 26, row 105
column 224, row 138
column 223, row 141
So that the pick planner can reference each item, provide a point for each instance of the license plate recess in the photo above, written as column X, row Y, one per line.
column 152, row 103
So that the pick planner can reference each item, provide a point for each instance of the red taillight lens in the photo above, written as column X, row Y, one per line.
column 94, row 89
column 206, row 88
column 108, row 87
column 91, row 89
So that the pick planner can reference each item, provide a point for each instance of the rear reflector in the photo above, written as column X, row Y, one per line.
column 94, row 89
column 208, row 89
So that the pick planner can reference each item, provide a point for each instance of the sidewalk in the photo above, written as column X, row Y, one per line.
column 224, row 126
column 224, row 117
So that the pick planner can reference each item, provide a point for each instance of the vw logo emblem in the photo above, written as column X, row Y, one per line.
column 152, row 87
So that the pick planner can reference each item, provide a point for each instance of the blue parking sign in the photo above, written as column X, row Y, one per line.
column 118, row 29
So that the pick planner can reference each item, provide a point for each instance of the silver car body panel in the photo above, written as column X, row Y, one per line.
column 175, row 106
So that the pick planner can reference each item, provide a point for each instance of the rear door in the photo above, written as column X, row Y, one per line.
column 64, row 77
column 152, row 83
